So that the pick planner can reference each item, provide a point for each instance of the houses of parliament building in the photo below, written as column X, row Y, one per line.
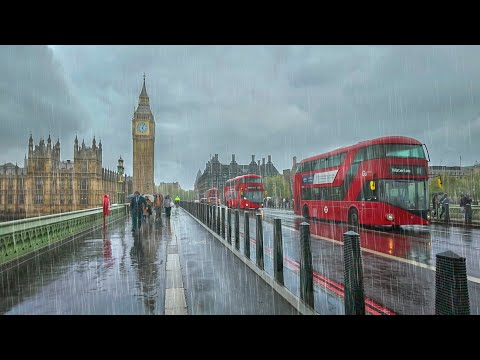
column 46, row 185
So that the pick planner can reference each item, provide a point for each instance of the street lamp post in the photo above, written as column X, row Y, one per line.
column 120, row 193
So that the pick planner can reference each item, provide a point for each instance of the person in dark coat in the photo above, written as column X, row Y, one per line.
column 136, row 209
column 435, row 205
column 468, row 209
column 445, row 202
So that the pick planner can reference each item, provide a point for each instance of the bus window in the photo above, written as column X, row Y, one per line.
column 360, row 156
column 367, row 193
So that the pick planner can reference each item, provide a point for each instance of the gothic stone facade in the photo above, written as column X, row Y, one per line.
column 216, row 174
column 46, row 185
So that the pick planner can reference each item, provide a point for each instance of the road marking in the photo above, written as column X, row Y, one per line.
column 175, row 301
column 336, row 288
column 407, row 261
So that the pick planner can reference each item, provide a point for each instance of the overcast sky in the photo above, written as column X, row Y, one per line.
column 278, row 100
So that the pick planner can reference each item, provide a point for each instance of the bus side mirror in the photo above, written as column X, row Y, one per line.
column 372, row 185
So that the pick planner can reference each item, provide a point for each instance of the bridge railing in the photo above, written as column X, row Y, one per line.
column 451, row 287
column 24, row 236
column 213, row 217
column 457, row 214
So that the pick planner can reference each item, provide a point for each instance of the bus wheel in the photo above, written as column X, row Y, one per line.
column 353, row 220
column 305, row 212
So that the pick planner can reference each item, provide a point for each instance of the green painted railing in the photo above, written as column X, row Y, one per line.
column 21, row 237
column 457, row 214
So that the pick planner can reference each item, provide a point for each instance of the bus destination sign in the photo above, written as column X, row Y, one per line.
column 407, row 170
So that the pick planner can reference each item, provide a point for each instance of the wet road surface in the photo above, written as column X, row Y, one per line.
column 398, row 267
column 120, row 273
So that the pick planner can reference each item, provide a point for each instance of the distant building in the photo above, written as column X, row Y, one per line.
column 449, row 170
column 288, row 174
column 216, row 174
column 168, row 188
column 46, row 185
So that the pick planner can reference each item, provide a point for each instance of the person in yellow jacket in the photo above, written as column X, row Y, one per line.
column 177, row 200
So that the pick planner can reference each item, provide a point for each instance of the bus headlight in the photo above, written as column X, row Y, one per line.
column 390, row 217
column 246, row 205
column 429, row 217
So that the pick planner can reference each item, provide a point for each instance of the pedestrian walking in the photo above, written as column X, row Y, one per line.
column 445, row 202
column 167, row 204
column 136, row 210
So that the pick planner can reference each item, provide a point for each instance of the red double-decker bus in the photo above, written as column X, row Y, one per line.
column 212, row 196
column 244, row 192
column 383, row 181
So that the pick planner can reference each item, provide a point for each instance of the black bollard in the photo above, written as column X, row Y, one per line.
column 352, row 262
column 259, row 242
column 306, row 267
column 218, row 220
column 208, row 216
column 223, row 223
column 451, row 288
column 211, row 217
column 246, row 237
column 213, row 222
column 237, row 230
column 278, row 251
column 229, row 228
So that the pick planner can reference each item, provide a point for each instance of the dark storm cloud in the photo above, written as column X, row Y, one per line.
column 278, row 100
column 34, row 98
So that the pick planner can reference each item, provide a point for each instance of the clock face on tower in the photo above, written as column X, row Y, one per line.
column 142, row 127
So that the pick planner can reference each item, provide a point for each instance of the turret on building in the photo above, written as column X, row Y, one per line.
column 46, row 185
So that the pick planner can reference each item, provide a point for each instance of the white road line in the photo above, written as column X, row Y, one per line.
column 406, row 261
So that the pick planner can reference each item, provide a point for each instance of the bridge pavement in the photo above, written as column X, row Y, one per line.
column 178, row 268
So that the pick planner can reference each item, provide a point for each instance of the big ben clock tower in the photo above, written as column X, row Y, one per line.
column 143, row 133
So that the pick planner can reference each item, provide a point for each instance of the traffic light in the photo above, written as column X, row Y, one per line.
column 439, row 182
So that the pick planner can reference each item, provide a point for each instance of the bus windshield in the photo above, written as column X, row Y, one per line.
column 406, row 194
column 404, row 151
column 254, row 196
column 251, row 180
